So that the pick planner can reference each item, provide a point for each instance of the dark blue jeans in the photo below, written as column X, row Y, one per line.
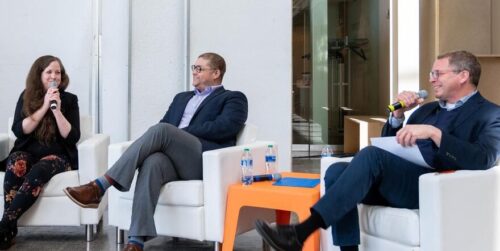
column 374, row 177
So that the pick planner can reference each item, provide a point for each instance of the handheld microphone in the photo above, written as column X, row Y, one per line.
column 264, row 177
column 53, row 103
column 400, row 104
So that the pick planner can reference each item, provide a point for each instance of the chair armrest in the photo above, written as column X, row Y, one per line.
column 92, row 157
column 221, row 168
column 460, row 210
column 4, row 145
column 116, row 150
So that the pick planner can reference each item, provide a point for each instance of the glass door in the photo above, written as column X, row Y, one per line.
column 336, row 59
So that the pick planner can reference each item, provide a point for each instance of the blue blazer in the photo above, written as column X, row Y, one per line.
column 217, row 120
column 471, row 141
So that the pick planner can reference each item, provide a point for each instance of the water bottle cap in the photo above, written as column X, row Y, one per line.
column 269, row 145
column 246, row 149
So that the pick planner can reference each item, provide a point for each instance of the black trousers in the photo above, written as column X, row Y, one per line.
column 24, row 179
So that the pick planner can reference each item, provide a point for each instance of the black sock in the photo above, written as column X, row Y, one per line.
column 349, row 248
column 307, row 227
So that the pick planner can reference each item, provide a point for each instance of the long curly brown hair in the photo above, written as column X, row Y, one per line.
column 34, row 95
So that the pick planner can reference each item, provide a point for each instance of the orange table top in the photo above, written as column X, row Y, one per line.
column 266, row 187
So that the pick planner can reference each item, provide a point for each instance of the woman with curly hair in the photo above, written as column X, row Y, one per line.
column 47, row 127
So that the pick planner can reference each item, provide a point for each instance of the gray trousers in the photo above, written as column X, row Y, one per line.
column 162, row 154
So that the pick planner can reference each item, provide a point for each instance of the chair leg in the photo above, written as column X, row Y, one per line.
column 119, row 235
column 217, row 246
column 89, row 232
column 265, row 246
column 99, row 227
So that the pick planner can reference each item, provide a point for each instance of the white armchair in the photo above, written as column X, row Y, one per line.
column 53, row 207
column 458, row 211
column 195, row 209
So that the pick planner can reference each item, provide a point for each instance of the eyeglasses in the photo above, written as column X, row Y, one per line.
column 436, row 73
column 198, row 68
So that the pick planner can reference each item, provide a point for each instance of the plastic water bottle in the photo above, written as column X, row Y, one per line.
column 246, row 167
column 327, row 151
column 271, row 160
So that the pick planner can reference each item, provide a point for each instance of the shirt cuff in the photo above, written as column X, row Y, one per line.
column 395, row 122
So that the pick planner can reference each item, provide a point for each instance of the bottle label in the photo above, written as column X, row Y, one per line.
column 270, row 158
column 246, row 162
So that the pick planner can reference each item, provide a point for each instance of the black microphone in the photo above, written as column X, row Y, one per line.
column 264, row 177
column 401, row 104
column 53, row 103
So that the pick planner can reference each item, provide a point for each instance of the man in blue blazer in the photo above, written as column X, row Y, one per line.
column 459, row 131
column 207, row 118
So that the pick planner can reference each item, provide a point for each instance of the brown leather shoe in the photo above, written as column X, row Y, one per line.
column 132, row 247
column 86, row 196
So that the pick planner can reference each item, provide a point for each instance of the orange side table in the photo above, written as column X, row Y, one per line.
column 281, row 198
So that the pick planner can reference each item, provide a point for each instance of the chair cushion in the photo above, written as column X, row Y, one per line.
column 56, row 185
column 180, row 193
column 394, row 224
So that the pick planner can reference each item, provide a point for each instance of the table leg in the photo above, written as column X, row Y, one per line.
column 312, row 242
column 282, row 217
column 230, row 225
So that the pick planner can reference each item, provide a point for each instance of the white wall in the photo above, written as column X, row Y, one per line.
column 254, row 36
column 114, row 69
column 31, row 29
column 157, row 66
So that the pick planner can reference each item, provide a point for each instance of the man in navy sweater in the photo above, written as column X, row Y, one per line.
column 459, row 131
column 207, row 118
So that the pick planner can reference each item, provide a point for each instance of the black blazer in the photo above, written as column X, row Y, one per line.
column 217, row 120
column 70, row 110
column 471, row 141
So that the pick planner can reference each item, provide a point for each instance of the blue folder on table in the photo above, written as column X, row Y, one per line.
column 296, row 182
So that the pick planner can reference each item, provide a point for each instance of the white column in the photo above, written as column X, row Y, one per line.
column 114, row 69
column 254, row 36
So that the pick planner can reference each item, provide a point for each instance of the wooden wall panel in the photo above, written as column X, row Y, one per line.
column 428, row 47
column 489, row 84
column 495, row 27
column 465, row 24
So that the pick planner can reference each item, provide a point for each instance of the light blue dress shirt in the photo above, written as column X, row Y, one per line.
column 194, row 103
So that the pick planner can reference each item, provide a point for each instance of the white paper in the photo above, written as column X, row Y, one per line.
column 410, row 153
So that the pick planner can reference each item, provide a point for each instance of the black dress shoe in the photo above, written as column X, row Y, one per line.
column 282, row 238
column 7, row 234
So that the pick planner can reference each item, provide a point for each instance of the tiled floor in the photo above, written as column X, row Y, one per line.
column 73, row 238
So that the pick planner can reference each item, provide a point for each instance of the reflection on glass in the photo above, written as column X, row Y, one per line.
column 336, row 67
